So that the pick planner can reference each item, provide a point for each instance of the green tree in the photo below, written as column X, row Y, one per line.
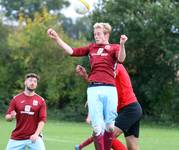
column 31, row 50
column 4, row 64
column 78, row 29
column 28, row 7
column 152, row 48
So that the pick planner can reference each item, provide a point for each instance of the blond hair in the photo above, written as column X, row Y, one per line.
column 105, row 26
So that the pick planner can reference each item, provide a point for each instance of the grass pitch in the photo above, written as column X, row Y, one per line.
column 59, row 135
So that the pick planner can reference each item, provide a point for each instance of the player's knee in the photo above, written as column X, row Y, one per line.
column 133, row 147
column 132, row 143
column 110, row 127
column 97, row 130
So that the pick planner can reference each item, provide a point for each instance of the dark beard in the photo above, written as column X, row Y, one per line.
column 30, row 90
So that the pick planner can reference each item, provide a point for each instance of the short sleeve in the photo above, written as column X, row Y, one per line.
column 43, row 112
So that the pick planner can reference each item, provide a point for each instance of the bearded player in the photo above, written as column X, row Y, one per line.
column 29, row 110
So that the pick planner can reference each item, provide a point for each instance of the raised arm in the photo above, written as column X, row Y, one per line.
column 53, row 35
column 122, row 52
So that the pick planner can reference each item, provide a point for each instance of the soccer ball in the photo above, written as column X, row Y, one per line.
column 81, row 7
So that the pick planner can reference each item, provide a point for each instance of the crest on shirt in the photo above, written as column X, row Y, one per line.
column 107, row 47
column 35, row 102
column 100, row 51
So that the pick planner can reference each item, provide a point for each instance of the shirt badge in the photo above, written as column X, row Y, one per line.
column 107, row 47
column 35, row 102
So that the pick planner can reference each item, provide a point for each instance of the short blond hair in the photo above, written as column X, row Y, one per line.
column 105, row 26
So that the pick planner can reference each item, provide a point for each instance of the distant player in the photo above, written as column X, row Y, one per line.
column 129, row 111
column 101, row 92
column 29, row 109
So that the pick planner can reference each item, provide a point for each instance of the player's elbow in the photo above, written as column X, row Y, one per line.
column 43, row 120
column 121, row 60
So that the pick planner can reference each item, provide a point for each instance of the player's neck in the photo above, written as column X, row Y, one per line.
column 29, row 93
column 105, row 42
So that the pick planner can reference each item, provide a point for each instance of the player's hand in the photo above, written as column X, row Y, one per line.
column 123, row 39
column 52, row 34
column 13, row 114
column 81, row 70
column 34, row 137
column 88, row 119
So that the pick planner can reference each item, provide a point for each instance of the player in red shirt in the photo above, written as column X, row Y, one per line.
column 101, row 92
column 129, row 111
column 29, row 109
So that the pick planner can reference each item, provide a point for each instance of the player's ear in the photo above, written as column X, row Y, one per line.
column 107, row 34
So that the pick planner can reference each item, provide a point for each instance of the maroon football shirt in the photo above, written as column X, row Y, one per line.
column 102, row 60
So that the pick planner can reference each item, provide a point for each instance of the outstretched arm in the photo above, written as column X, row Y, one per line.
column 53, row 35
column 122, row 52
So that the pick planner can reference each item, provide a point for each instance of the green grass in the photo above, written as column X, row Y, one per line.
column 59, row 135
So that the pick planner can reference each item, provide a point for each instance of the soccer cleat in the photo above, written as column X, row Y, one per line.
column 77, row 147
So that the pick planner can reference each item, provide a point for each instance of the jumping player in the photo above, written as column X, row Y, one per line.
column 129, row 111
column 29, row 109
column 101, row 92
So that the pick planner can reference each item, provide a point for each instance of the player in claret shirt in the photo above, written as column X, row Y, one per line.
column 29, row 109
column 101, row 92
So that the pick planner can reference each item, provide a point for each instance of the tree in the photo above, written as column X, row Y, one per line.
column 5, row 64
column 78, row 29
column 31, row 50
column 152, row 48
column 29, row 7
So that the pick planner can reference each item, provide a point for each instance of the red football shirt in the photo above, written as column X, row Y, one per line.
column 30, row 110
column 124, row 87
column 102, row 60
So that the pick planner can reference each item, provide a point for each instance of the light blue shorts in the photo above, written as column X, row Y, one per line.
column 22, row 144
column 102, row 105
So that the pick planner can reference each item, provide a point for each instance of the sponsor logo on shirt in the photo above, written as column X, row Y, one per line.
column 100, row 52
column 27, row 109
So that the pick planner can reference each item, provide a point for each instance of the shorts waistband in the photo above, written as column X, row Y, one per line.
column 92, row 84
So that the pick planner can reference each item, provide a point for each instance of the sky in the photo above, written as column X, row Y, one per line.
column 70, row 11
